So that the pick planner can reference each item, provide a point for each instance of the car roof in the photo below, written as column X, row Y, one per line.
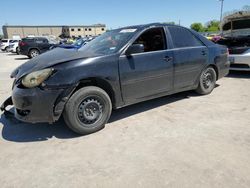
column 35, row 38
column 142, row 26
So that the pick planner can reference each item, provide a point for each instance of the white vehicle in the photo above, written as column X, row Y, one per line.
column 13, row 47
column 236, row 30
column 240, row 62
column 5, row 43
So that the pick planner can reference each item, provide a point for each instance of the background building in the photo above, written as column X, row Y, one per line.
column 20, row 31
column 84, row 31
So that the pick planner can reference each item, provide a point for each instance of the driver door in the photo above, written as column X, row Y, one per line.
column 145, row 74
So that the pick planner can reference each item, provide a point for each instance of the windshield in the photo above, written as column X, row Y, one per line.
column 79, row 42
column 109, row 42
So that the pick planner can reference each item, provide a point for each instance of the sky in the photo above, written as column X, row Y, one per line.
column 113, row 13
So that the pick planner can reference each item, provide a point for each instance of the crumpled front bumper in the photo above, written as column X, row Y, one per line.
column 37, row 105
column 7, row 102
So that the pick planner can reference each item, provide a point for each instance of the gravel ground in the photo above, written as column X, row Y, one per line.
column 183, row 140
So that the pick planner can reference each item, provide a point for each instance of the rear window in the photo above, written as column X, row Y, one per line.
column 4, row 41
column 183, row 38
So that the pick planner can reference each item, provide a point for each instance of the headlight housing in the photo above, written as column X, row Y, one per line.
column 36, row 78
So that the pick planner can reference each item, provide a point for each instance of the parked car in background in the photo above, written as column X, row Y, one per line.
column 240, row 62
column 5, row 44
column 239, row 50
column 33, row 46
column 13, row 47
column 236, row 36
column 119, row 68
column 211, row 36
column 76, row 45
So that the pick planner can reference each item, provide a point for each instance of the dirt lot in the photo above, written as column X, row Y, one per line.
column 182, row 140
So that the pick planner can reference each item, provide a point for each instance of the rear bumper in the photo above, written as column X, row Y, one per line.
column 24, row 51
column 223, row 69
column 12, row 50
column 239, row 62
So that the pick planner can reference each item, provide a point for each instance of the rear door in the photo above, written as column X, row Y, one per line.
column 190, row 55
column 148, row 73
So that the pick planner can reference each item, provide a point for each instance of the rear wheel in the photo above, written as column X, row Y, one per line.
column 17, row 51
column 33, row 53
column 88, row 110
column 207, row 81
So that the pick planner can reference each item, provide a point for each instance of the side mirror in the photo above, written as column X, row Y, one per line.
column 134, row 49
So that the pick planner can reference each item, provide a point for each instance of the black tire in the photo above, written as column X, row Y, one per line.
column 33, row 53
column 207, row 81
column 17, row 50
column 88, row 110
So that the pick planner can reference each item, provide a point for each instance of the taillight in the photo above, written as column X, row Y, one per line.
column 21, row 43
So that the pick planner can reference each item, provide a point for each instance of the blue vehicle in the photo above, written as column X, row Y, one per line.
column 76, row 45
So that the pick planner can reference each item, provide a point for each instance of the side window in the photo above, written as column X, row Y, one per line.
column 152, row 39
column 41, row 40
column 183, row 38
column 28, row 40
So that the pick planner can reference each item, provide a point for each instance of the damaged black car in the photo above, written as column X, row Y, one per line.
column 119, row 68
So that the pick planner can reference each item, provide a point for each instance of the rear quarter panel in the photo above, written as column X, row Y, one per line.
column 219, row 57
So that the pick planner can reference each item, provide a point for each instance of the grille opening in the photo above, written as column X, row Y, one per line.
column 23, row 112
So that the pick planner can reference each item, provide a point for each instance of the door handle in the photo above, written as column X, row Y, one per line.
column 167, row 58
column 203, row 52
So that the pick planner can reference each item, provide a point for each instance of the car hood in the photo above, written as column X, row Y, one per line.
column 49, row 59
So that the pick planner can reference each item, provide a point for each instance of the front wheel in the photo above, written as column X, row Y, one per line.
column 207, row 81
column 87, row 110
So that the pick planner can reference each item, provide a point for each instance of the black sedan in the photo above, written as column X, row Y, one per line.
column 119, row 68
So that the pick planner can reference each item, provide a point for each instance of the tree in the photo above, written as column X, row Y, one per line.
column 197, row 27
column 213, row 26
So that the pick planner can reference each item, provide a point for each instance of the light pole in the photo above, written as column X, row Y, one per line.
column 221, row 12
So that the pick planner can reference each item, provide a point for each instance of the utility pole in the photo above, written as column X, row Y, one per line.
column 221, row 13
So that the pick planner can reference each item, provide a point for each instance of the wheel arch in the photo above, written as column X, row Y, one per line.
column 98, row 82
column 205, row 67
column 34, row 48
column 216, row 70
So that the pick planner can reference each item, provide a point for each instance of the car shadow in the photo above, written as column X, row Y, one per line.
column 22, row 58
column 16, row 131
column 12, row 54
column 151, row 104
column 239, row 74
